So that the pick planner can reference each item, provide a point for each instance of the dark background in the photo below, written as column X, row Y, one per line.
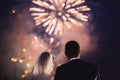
column 105, row 15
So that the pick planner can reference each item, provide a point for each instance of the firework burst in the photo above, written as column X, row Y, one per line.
column 59, row 15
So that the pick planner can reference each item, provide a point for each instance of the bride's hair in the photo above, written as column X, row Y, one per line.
column 45, row 63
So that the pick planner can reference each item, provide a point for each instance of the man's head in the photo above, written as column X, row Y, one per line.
column 72, row 49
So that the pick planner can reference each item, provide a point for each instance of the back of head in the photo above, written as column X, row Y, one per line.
column 72, row 49
column 45, row 61
column 44, row 58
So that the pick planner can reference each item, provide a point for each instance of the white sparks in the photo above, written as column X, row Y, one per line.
column 58, row 15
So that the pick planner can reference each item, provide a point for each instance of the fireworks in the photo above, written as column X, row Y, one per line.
column 59, row 15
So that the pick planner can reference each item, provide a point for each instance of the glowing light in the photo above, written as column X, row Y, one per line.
column 59, row 15
column 58, row 43
column 21, row 61
column 13, row 11
column 51, row 40
column 28, row 65
column 35, row 38
column 25, row 71
column 24, row 50
column 14, row 59
column 23, row 76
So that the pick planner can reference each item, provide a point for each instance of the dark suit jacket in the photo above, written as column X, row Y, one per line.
column 77, row 70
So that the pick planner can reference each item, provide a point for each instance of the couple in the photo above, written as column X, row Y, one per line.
column 74, row 69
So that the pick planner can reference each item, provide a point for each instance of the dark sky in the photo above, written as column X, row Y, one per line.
column 107, row 18
column 106, row 21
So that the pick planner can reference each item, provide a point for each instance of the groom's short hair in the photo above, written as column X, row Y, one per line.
column 72, row 49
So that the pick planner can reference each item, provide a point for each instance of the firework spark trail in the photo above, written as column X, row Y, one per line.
column 59, row 15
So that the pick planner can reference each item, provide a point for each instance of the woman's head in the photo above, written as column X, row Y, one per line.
column 46, row 62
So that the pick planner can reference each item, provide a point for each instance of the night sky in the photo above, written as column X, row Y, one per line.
column 105, row 15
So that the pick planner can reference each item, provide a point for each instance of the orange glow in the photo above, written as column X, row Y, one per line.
column 28, row 65
column 25, row 71
column 14, row 59
column 35, row 38
column 21, row 61
column 24, row 50
column 23, row 76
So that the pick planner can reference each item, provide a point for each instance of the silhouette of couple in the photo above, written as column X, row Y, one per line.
column 74, row 69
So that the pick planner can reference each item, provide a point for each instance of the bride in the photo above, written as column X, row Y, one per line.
column 44, row 69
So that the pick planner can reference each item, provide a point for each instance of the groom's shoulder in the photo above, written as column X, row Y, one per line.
column 90, row 66
column 79, row 63
column 62, row 66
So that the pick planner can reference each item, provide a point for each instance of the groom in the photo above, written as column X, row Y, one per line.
column 75, row 68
